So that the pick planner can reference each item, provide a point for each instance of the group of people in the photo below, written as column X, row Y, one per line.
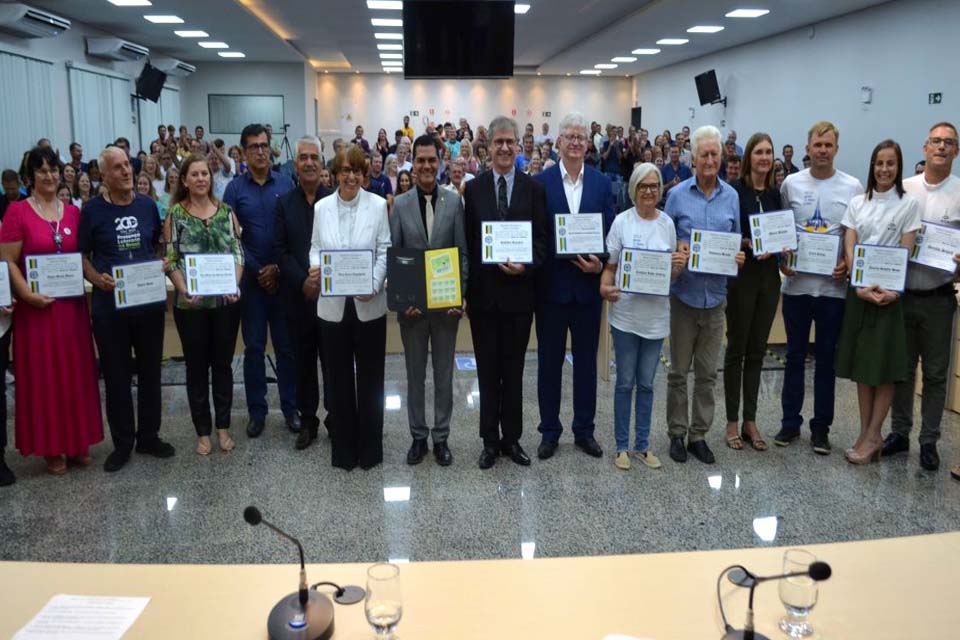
column 272, row 226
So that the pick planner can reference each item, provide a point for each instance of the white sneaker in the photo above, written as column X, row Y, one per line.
column 622, row 461
column 648, row 459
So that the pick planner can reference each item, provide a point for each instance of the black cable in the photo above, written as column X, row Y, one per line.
column 329, row 584
column 723, row 616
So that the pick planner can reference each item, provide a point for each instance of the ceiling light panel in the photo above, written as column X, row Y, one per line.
column 623, row 59
column 130, row 3
column 391, row 63
column 590, row 72
column 231, row 54
column 604, row 65
column 747, row 13
column 388, row 36
column 390, row 47
column 164, row 19
column 384, row 4
column 386, row 22
column 705, row 29
column 521, row 8
column 192, row 34
column 214, row 45
column 391, row 56
column 645, row 52
column 672, row 41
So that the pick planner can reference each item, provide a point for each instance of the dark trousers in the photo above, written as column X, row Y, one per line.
column 500, row 346
column 799, row 312
column 751, row 307
column 583, row 323
column 209, row 339
column 4, row 365
column 308, row 352
column 120, row 337
column 356, row 436
column 260, row 310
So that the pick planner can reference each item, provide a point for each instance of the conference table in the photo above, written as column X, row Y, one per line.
column 897, row 589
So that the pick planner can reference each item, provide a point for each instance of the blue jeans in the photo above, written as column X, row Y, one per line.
column 260, row 310
column 618, row 187
column 799, row 312
column 637, row 360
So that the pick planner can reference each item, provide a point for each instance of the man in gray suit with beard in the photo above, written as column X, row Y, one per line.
column 429, row 217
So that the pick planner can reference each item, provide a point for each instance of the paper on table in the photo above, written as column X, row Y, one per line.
column 67, row 617
column 618, row 636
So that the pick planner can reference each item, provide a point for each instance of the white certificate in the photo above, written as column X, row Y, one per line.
column 714, row 252
column 56, row 275
column 72, row 617
column 936, row 246
column 578, row 234
column 6, row 297
column 507, row 242
column 139, row 283
column 211, row 274
column 346, row 273
column 885, row 267
column 644, row 271
column 772, row 232
column 816, row 253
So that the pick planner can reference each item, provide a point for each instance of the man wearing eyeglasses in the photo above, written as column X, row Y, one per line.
column 568, row 295
column 253, row 197
column 928, row 305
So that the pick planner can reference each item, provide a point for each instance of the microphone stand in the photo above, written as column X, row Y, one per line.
column 747, row 579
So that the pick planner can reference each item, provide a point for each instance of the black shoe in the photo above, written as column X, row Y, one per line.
column 442, row 453
column 304, row 439
column 293, row 423
column 516, row 453
column 156, row 448
column 590, row 447
column 677, row 451
column 6, row 475
column 894, row 444
column 929, row 458
column 418, row 451
column 488, row 456
column 786, row 436
column 701, row 451
column 116, row 460
column 955, row 473
column 820, row 443
column 546, row 449
column 255, row 428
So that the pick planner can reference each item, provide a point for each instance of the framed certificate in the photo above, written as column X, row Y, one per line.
column 936, row 246
column 504, row 242
column 346, row 273
column 773, row 231
column 714, row 252
column 6, row 296
column 885, row 267
column 57, row 275
column 816, row 254
column 577, row 234
column 139, row 283
column 642, row 271
column 211, row 274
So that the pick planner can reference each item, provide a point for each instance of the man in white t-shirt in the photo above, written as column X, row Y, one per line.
column 818, row 197
column 928, row 305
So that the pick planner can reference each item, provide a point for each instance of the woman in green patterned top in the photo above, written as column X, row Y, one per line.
column 198, row 223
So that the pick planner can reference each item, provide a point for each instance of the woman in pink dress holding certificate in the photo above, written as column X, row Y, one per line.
column 57, row 395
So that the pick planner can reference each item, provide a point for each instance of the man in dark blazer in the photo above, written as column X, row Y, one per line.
column 429, row 217
column 292, row 233
column 568, row 295
column 500, row 298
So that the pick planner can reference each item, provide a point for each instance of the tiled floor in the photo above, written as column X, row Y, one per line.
column 188, row 509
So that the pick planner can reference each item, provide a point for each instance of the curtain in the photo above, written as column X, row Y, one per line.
column 26, row 110
column 100, row 108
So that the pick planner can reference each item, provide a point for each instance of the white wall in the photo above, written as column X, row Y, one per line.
column 782, row 85
column 377, row 101
column 250, row 78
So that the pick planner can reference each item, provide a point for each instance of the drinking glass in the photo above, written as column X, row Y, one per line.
column 798, row 593
column 383, row 603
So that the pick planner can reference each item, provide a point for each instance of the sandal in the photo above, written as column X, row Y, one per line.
column 758, row 443
column 734, row 442
column 226, row 442
column 203, row 445
column 56, row 465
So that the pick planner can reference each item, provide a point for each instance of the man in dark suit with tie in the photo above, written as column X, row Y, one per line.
column 568, row 295
column 292, row 233
column 429, row 217
column 500, row 297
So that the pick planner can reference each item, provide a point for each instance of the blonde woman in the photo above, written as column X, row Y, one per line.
column 391, row 169
column 169, row 188
column 151, row 167
column 469, row 160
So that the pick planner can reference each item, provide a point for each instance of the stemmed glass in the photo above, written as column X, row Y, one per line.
column 798, row 593
column 383, row 603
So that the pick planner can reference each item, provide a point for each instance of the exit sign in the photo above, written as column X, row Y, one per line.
column 934, row 98
column 546, row 114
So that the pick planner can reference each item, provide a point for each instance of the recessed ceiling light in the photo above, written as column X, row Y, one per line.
column 130, row 3
column 645, row 52
column 231, row 54
column 521, row 8
column 386, row 22
column 390, row 47
column 391, row 69
column 192, row 34
column 391, row 56
column 604, row 65
column 391, row 63
column 590, row 72
column 384, row 4
column 538, row 73
column 214, row 45
column 747, row 13
column 164, row 19
column 705, row 29
column 388, row 36
column 672, row 41
column 568, row 75
column 623, row 59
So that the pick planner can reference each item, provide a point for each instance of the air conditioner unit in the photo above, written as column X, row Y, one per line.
column 173, row 67
column 116, row 49
column 27, row 22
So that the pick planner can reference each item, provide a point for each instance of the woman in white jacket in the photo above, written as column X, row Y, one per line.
column 353, row 328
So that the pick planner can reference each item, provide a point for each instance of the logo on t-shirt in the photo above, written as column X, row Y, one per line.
column 128, row 233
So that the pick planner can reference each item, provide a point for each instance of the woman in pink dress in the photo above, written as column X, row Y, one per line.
column 57, row 394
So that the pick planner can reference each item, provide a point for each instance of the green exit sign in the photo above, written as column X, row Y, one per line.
column 934, row 98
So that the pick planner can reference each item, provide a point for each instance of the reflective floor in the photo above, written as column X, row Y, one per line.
column 188, row 509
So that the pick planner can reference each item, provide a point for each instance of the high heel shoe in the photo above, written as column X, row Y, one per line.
column 853, row 457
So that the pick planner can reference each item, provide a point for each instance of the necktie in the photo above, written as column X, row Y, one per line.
column 428, row 197
column 502, row 205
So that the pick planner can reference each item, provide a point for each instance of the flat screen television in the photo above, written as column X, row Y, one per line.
column 707, row 88
column 449, row 39
column 150, row 83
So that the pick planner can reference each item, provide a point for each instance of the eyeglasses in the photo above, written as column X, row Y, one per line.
column 649, row 188
column 576, row 139
column 947, row 142
column 504, row 142
column 258, row 147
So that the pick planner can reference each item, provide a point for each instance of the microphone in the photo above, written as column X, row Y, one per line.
column 253, row 517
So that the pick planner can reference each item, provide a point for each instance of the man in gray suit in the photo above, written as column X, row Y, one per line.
column 428, row 217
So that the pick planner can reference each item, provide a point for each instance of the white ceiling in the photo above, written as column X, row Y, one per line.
column 555, row 37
